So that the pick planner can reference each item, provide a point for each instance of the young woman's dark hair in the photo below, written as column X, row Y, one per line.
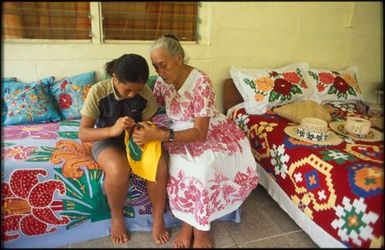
column 131, row 68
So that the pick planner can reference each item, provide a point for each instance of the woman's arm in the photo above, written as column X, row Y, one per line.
column 88, row 133
column 195, row 134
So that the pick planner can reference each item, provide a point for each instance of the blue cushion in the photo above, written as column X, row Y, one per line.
column 9, row 79
column 69, row 94
column 3, row 107
column 28, row 103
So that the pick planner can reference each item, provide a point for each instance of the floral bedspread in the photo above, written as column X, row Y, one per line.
column 52, row 191
column 340, row 188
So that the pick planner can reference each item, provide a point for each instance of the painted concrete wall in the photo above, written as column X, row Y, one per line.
column 327, row 35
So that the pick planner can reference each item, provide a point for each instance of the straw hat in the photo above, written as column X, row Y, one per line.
column 357, row 128
column 313, row 130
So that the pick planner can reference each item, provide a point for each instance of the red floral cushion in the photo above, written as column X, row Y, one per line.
column 263, row 89
column 69, row 94
column 331, row 85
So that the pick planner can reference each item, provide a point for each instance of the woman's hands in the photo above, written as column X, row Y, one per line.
column 120, row 125
column 149, row 133
column 146, row 134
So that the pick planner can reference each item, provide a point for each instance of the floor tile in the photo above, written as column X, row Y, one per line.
column 261, row 197
column 301, row 240
column 254, row 224
column 272, row 242
column 279, row 217
column 220, row 236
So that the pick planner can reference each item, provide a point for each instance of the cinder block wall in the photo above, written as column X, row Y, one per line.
column 329, row 35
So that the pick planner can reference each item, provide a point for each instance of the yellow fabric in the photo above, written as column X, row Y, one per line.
column 147, row 166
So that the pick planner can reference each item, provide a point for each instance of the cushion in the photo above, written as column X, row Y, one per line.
column 9, row 79
column 69, row 94
column 263, row 89
column 329, row 85
column 151, row 81
column 27, row 103
column 3, row 107
column 296, row 111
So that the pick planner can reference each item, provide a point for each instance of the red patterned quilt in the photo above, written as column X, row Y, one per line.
column 340, row 188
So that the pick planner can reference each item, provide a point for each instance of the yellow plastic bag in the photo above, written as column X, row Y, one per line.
column 143, row 161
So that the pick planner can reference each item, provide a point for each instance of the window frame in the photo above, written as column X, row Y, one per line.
column 97, row 31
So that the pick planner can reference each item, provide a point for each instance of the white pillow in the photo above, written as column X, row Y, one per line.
column 263, row 89
column 329, row 85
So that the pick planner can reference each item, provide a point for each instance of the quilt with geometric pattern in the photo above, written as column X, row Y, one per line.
column 340, row 188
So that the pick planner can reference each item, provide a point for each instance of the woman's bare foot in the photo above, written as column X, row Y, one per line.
column 183, row 237
column 201, row 239
column 119, row 232
column 159, row 232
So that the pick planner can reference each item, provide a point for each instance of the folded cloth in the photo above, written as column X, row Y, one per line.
column 143, row 160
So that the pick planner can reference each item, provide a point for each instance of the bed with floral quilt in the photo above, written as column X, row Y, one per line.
column 51, row 187
column 52, row 191
column 334, row 193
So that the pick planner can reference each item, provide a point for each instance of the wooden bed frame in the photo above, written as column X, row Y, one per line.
column 231, row 95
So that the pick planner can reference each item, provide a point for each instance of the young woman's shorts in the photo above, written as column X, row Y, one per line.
column 99, row 146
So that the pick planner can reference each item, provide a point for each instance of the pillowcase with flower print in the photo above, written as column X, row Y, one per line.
column 263, row 89
column 330, row 85
column 69, row 94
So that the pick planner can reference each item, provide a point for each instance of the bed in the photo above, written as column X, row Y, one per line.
column 51, row 188
column 334, row 193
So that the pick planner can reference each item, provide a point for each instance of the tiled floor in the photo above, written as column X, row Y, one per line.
column 263, row 225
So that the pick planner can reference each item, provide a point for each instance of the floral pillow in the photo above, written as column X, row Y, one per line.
column 70, row 93
column 27, row 103
column 331, row 85
column 263, row 89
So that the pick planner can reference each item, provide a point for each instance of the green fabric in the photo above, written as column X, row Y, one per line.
column 135, row 150
column 151, row 81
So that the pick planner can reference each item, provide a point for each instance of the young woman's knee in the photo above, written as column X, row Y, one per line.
column 117, row 170
column 115, row 166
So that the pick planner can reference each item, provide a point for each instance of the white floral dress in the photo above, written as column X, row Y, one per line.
column 210, row 178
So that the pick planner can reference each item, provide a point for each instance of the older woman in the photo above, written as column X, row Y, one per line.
column 211, row 167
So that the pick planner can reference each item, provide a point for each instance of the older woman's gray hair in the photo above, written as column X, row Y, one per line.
column 169, row 42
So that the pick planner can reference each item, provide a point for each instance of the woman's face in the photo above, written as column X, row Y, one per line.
column 165, row 64
column 127, row 90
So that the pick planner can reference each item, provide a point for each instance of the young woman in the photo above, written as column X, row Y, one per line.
column 110, row 108
column 211, row 166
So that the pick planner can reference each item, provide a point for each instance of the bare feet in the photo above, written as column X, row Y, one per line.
column 183, row 238
column 201, row 239
column 159, row 232
column 119, row 232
